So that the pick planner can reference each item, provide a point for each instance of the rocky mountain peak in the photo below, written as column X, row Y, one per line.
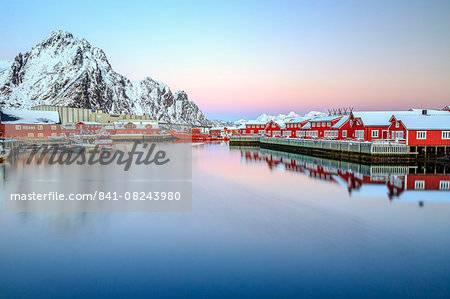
column 66, row 71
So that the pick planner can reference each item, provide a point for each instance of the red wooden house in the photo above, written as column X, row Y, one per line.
column 29, row 123
column 421, row 129
column 293, row 127
column 68, row 129
column 254, row 127
column 317, row 127
column 274, row 128
column 88, row 128
column 136, row 127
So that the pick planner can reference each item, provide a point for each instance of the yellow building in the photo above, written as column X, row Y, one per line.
column 75, row 115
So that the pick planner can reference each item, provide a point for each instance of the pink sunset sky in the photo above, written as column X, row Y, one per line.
column 245, row 58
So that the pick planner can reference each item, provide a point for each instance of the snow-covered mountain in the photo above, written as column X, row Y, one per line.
column 66, row 71
column 265, row 118
column 283, row 117
column 313, row 114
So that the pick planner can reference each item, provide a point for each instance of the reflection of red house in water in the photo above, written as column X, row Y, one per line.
column 395, row 182
column 427, row 182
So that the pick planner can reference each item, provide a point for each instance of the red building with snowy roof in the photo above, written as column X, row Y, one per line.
column 293, row 127
column 29, row 123
column 127, row 127
column 88, row 128
column 274, row 128
column 320, row 127
column 421, row 130
column 254, row 127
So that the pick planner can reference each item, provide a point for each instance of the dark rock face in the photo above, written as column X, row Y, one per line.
column 66, row 71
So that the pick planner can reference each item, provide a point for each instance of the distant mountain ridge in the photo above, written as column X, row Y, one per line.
column 66, row 71
column 283, row 117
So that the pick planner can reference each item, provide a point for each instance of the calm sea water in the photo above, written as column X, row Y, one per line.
column 263, row 225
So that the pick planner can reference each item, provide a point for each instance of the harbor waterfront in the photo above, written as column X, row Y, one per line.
column 352, row 150
column 264, row 223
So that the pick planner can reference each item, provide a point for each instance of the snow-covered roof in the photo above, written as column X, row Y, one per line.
column 307, row 126
column 431, row 111
column 297, row 120
column 340, row 122
column 325, row 118
column 378, row 118
column 241, row 126
column 216, row 128
column 425, row 122
column 11, row 116
column 280, row 123
column 255, row 122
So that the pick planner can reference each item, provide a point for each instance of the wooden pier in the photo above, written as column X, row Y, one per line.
column 355, row 151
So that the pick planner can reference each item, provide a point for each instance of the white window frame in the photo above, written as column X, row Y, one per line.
column 421, row 135
column 344, row 133
column 444, row 185
column 419, row 185
column 375, row 133
column 40, row 127
column 397, row 125
column 445, row 134
column 399, row 135
column 18, row 127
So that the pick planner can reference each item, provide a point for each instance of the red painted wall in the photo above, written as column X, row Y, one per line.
column 90, row 129
column 23, row 130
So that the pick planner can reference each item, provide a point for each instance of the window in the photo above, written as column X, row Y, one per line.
column 41, row 128
column 319, row 124
column 419, row 185
column 399, row 135
column 30, row 135
column 375, row 134
column 313, row 125
column 421, row 135
column 446, row 135
column 329, row 124
column 53, row 128
column 444, row 185
column 54, row 134
column 344, row 134
column 359, row 134
column 18, row 127
column 261, row 131
column 397, row 124
column 324, row 124
column 40, row 135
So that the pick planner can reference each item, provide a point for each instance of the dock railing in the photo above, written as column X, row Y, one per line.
column 343, row 145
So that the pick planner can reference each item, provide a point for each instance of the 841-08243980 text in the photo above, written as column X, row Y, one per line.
column 97, row 195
